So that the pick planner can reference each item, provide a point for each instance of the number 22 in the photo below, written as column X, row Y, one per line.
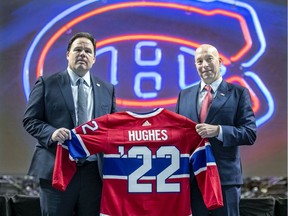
column 161, row 185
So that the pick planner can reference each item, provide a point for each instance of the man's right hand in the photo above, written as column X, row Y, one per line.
column 60, row 135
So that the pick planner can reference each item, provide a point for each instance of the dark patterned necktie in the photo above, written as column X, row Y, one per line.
column 205, row 104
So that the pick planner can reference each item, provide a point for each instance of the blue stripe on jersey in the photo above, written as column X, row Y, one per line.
column 202, row 157
column 125, row 166
column 75, row 148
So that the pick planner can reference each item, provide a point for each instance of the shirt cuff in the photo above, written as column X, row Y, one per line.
column 220, row 135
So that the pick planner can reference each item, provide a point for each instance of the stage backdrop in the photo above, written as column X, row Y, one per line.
column 146, row 49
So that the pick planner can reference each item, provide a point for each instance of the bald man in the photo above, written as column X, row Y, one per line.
column 230, row 123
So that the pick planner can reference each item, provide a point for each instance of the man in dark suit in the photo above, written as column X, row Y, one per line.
column 230, row 123
column 51, row 112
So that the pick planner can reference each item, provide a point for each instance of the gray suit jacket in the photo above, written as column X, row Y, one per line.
column 50, row 107
column 232, row 109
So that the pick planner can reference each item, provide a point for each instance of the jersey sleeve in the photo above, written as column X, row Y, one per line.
column 64, row 168
column 89, row 138
column 206, row 173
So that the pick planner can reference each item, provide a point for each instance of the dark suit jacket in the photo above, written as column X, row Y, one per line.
column 232, row 109
column 50, row 107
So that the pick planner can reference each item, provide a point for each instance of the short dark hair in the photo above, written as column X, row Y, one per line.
column 82, row 35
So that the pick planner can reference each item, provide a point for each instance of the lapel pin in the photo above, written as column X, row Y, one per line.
column 222, row 94
column 98, row 84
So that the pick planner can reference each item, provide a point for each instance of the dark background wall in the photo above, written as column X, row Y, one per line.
column 250, row 35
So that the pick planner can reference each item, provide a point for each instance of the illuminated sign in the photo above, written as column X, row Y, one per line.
column 146, row 48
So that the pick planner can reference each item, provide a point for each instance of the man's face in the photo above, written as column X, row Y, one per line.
column 81, row 56
column 208, row 63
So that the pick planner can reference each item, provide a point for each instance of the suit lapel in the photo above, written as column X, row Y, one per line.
column 223, row 93
column 97, row 96
column 188, row 103
column 193, row 104
column 65, row 87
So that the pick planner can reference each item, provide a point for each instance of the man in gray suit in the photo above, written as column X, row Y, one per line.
column 51, row 112
column 230, row 123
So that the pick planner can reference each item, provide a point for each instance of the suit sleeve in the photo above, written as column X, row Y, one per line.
column 34, row 115
column 243, row 132
column 177, row 104
column 114, row 109
column 206, row 173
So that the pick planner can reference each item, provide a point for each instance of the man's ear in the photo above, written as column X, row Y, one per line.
column 220, row 60
column 67, row 55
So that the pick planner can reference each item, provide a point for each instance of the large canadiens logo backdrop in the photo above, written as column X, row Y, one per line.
column 149, row 58
column 146, row 49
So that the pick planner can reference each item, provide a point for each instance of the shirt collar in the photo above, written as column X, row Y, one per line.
column 213, row 85
column 74, row 77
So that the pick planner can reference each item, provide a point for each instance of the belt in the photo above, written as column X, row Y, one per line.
column 86, row 161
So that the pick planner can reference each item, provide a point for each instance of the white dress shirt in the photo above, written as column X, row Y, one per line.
column 87, row 88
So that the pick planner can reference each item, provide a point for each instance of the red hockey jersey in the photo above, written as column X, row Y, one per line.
column 146, row 162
